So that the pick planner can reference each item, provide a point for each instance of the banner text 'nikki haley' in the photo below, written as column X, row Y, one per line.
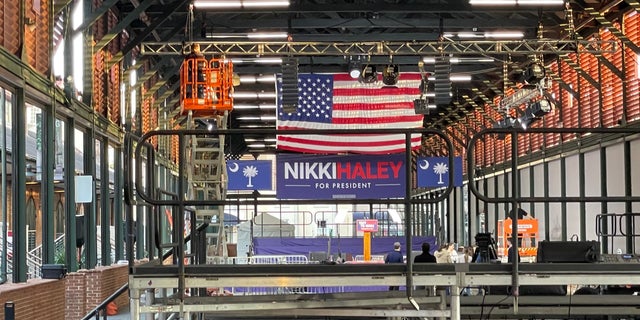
column 340, row 176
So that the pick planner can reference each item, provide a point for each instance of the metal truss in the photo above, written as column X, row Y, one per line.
column 521, row 47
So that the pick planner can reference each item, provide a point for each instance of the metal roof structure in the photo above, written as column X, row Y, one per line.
column 325, row 34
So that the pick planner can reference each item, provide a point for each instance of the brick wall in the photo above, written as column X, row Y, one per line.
column 87, row 288
column 35, row 299
column 70, row 298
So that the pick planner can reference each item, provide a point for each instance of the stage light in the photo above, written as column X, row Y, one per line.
column 422, row 106
column 534, row 73
column 355, row 69
column 506, row 123
column 390, row 75
column 540, row 108
column 369, row 74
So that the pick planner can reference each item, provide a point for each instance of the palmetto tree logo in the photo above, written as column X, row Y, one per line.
column 250, row 172
column 440, row 169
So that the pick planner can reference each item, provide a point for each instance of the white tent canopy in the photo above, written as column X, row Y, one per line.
column 264, row 225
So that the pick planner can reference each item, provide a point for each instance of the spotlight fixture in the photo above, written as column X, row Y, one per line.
column 534, row 73
column 422, row 106
column 539, row 108
column 369, row 74
column 390, row 75
column 355, row 68
column 506, row 123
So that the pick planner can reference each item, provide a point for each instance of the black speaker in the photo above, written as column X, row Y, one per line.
column 289, row 84
column 442, row 83
column 568, row 251
column 79, row 231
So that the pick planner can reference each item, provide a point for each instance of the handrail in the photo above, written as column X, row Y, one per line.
column 103, row 305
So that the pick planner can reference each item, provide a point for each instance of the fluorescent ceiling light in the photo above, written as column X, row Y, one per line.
column 268, row 35
column 255, row 35
column 261, row 118
column 263, row 3
column 254, row 79
column 260, row 140
column 235, row 4
column 269, row 78
column 480, row 35
column 516, row 2
column 258, row 126
column 257, row 60
column 245, row 106
column 540, row 2
column 253, row 95
column 504, row 34
column 460, row 60
column 492, row 2
column 256, row 145
column 469, row 35
column 455, row 78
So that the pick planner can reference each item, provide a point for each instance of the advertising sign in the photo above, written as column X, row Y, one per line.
column 340, row 176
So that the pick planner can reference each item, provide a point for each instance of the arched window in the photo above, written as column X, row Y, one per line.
column 31, row 222
column 59, row 221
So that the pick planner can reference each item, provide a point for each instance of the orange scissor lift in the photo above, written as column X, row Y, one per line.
column 527, row 236
column 206, row 86
column 206, row 92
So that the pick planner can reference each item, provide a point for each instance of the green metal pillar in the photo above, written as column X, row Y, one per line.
column 118, row 195
column 582, row 182
column 604, row 204
column 105, row 205
column 563, row 192
column 545, row 187
column 4, row 185
column 47, row 185
column 70, row 192
column 628, row 205
column 90, row 239
column 19, row 187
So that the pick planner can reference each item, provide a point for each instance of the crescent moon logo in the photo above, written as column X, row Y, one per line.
column 234, row 167
column 424, row 165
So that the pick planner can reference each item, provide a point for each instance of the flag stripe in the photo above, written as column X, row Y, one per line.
column 308, row 148
column 339, row 102
column 352, row 140
column 349, row 120
column 351, row 105
column 298, row 125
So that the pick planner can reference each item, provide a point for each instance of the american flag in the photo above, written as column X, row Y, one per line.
column 336, row 101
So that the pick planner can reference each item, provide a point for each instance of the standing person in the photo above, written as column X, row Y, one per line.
column 453, row 253
column 425, row 257
column 468, row 255
column 394, row 256
column 442, row 255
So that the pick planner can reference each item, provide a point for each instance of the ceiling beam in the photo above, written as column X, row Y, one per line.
column 131, row 44
column 99, row 12
column 122, row 24
column 485, row 47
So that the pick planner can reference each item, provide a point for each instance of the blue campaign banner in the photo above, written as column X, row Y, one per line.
column 433, row 172
column 249, row 175
column 340, row 176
